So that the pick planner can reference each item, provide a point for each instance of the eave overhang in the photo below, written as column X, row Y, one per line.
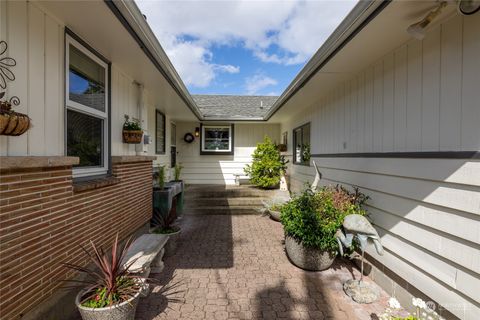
column 354, row 22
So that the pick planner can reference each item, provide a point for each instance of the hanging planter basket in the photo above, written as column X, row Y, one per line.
column 132, row 136
column 12, row 123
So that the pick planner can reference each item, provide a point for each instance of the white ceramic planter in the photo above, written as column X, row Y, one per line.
column 172, row 243
column 123, row 311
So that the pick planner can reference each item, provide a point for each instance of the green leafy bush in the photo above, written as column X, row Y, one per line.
column 267, row 166
column 313, row 218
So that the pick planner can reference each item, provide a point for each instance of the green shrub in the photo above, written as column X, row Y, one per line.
column 313, row 218
column 267, row 166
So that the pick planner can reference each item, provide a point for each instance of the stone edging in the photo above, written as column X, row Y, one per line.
column 36, row 162
column 129, row 159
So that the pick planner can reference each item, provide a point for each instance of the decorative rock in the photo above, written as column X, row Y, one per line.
column 308, row 258
column 361, row 291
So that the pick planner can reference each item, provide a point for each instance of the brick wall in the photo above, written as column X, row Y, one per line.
column 43, row 221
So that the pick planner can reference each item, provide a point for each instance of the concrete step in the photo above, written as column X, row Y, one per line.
column 222, row 210
column 208, row 192
column 224, row 201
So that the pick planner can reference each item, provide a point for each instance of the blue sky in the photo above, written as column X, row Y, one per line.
column 242, row 47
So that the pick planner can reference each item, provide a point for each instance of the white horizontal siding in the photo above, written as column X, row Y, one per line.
column 221, row 169
column 426, row 231
column 420, row 97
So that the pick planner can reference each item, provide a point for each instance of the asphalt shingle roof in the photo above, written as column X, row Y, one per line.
column 230, row 106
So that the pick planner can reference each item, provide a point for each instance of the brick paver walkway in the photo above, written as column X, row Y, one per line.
column 235, row 267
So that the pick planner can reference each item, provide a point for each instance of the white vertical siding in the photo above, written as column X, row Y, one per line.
column 423, row 96
column 162, row 159
column 220, row 169
column 36, row 41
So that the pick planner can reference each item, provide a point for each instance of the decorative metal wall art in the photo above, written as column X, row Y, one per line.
column 11, row 123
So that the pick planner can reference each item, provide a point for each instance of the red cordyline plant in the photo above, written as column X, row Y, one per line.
column 110, row 282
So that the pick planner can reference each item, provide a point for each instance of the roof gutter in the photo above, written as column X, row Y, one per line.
column 133, row 20
column 364, row 12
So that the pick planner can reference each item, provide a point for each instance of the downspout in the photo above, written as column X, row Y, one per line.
column 141, row 148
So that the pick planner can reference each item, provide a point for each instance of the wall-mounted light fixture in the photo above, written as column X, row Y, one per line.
column 468, row 7
column 197, row 132
column 417, row 30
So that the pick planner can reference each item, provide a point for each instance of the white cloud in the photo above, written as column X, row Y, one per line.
column 258, row 82
column 282, row 32
column 228, row 68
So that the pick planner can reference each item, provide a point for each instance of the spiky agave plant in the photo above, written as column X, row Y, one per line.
column 110, row 282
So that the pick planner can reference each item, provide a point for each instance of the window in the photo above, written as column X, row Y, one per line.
column 159, row 133
column 301, row 142
column 86, row 109
column 217, row 139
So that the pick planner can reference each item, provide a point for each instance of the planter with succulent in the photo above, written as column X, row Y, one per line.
column 165, row 211
column 311, row 221
column 163, row 223
column 111, row 291
column 177, row 170
column 132, row 130
column 268, row 165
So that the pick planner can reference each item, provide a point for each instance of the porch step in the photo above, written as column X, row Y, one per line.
column 222, row 210
column 209, row 191
column 226, row 200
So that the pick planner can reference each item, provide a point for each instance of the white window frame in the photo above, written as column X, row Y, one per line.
column 78, row 107
column 230, row 137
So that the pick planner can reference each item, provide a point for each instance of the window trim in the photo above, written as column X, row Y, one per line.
column 71, row 38
column 161, row 152
column 231, row 140
column 294, row 144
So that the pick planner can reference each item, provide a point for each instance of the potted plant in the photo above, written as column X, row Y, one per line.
column 161, row 178
column 272, row 209
column 311, row 221
column 111, row 292
column 282, row 147
column 12, row 123
column 132, row 130
column 177, row 170
column 268, row 165
column 162, row 223
column 165, row 212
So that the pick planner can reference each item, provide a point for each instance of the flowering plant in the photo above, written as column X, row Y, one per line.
column 423, row 311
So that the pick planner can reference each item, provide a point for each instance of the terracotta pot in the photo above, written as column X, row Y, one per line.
column 132, row 136
column 307, row 258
